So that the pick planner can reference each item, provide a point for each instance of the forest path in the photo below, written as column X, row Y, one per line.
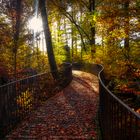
column 70, row 114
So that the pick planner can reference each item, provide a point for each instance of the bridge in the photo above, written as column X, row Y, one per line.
column 78, row 105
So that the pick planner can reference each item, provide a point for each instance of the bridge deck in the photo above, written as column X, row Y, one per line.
column 70, row 114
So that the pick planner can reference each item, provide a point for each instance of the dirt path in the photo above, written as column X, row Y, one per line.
column 69, row 115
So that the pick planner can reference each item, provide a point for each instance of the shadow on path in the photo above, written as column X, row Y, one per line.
column 69, row 115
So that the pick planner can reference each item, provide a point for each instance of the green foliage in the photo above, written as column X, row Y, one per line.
column 72, row 21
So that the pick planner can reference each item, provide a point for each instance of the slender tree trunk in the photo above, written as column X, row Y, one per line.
column 79, row 29
column 126, row 41
column 72, row 43
column 58, row 36
column 72, row 40
column 81, row 53
column 43, row 44
column 75, row 46
column 16, row 33
column 52, row 62
column 65, row 29
column 37, row 54
column 92, row 42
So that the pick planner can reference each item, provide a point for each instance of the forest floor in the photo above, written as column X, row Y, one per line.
column 70, row 114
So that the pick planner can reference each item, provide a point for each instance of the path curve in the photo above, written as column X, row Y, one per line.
column 69, row 115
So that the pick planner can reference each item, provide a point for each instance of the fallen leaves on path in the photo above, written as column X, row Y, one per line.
column 70, row 114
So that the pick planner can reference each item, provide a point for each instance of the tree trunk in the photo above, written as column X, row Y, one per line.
column 92, row 42
column 72, row 40
column 52, row 62
column 58, row 36
column 126, row 41
column 65, row 29
column 72, row 43
column 16, row 33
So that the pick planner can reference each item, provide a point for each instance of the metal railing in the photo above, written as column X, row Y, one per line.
column 21, row 75
column 19, row 98
column 117, row 120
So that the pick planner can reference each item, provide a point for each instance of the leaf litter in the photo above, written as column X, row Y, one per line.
column 70, row 114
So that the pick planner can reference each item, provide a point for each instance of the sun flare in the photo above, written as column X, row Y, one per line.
column 35, row 24
column 36, row 27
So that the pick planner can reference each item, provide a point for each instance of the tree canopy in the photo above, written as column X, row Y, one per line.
column 99, row 31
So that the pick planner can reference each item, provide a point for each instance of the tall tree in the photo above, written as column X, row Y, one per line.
column 44, row 15
column 92, row 11
column 127, row 30
column 16, row 33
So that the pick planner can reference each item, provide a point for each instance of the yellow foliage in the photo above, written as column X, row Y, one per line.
column 25, row 99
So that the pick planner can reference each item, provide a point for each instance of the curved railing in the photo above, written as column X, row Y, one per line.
column 117, row 120
column 19, row 98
